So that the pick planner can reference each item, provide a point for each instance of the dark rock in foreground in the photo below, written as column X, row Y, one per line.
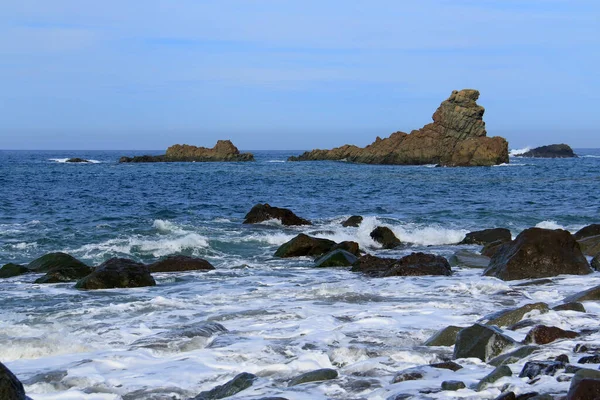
column 324, row 374
column 498, row 373
column 241, row 382
column 538, row 253
column 65, row 273
column 590, row 294
column 513, row 356
column 9, row 270
column 180, row 263
column 11, row 387
column 585, row 385
column 531, row 369
column 457, row 137
column 550, row 151
column 414, row 264
column 54, row 260
column 353, row 221
column 385, row 237
column 264, row 212
column 487, row 236
column 481, row 341
column 453, row 385
column 224, row 150
column 542, row 334
column 77, row 160
column 117, row 273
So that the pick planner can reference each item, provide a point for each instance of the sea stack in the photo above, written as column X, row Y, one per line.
column 456, row 137
column 224, row 150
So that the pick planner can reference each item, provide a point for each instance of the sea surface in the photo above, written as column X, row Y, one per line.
column 282, row 316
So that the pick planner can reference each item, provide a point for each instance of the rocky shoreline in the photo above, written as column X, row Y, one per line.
column 224, row 150
column 457, row 137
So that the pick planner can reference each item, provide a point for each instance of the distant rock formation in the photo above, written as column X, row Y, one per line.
column 457, row 137
column 224, row 150
column 551, row 151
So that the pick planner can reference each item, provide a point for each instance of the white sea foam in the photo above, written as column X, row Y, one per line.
column 276, row 161
column 165, row 226
column 24, row 246
column 518, row 152
column 590, row 156
column 549, row 225
column 510, row 165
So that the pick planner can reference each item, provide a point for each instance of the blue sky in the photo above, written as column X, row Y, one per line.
column 277, row 74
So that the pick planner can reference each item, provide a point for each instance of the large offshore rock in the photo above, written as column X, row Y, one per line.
column 53, row 260
column 538, row 253
column 9, row 270
column 487, row 236
column 420, row 264
column 11, row 387
column 117, row 273
column 264, row 212
column 372, row 265
column 240, row 382
column 481, row 341
column 457, row 137
column 179, row 263
column 224, row 150
column 550, row 151
column 444, row 337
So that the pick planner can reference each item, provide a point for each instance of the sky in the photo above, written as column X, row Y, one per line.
column 284, row 74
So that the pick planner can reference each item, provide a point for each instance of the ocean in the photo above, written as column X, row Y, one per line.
column 283, row 317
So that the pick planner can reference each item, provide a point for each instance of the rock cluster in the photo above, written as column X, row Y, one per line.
column 457, row 137
column 224, row 150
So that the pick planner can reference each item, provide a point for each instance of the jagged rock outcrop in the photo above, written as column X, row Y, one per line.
column 224, row 150
column 457, row 137
column 551, row 151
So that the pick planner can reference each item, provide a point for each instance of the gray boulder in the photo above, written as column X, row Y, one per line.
column 54, row 260
column 240, row 382
column 512, row 316
column 481, row 341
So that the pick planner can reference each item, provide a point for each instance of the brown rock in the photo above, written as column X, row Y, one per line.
column 264, row 212
column 384, row 236
column 538, row 253
column 542, row 334
column 457, row 137
column 224, row 150
column 585, row 385
column 372, row 266
column 180, row 263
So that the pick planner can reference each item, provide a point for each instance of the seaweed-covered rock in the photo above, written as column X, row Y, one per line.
column 11, row 387
column 9, row 270
column 353, row 221
column 336, row 258
column 481, row 341
column 444, row 337
column 177, row 263
column 420, row 264
column 487, row 236
column 53, row 260
column 513, row 315
column 542, row 334
column 538, row 253
column 323, row 374
column 117, row 273
column 385, row 237
column 304, row 245
column 240, row 382
column 65, row 273
column 587, row 231
column 264, row 212
column 468, row 259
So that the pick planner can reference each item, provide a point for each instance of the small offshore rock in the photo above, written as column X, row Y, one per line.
column 336, row 258
column 487, row 236
column 240, row 382
column 496, row 374
column 574, row 306
column 538, row 253
column 420, row 264
column 513, row 315
column 451, row 365
column 117, row 273
column 176, row 263
column 11, row 387
column 590, row 294
column 513, row 356
column 349, row 246
column 224, row 150
column 531, row 369
column 264, row 212
column 550, row 151
column 353, row 221
column 542, row 334
column 304, row 245
column 53, row 260
column 585, row 385
column 453, row 385
column 444, row 337
column 469, row 259
column 481, row 341
column 323, row 374
column 9, row 270
column 385, row 237
column 563, row 358
column 65, row 273
column 77, row 160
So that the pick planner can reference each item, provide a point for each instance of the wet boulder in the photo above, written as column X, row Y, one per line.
column 513, row 315
column 492, row 248
column 240, row 382
column 575, row 306
column 481, row 341
column 349, row 246
column 336, row 258
column 498, row 373
column 585, row 385
column 66, row 273
column 117, row 273
column 11, row 387
column 453, row 385
column 353, row 221
column 385, row 237
column 587, row 231
column 531, row 369
column 177, row 263
column 468, row 259
column 264, row 212
column 538, row 253
column 596, row 263
column 9, row 270
column 420, row 264
column 304, row 245
column 54, row 260
column 372, row 265
column 487, row 236
column 444, row 337
column 542, row 334
column 513, row 356
column 586, row 295
column 449, row 365
column 323, row 374
column 590, row 246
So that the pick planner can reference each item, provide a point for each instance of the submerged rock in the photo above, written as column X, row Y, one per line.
column 481, row 341
column 550, row 151
column 178, row 263
column 54, row 260
column 336, row 258
column 182, row 338
column 513, row 315
column 304, row 245
column 9, row 270
column 264, row 212
column 468, row 259
column 444, row 337
column 457, row 137
column 487, row 236
column 353, row 221
column 11, row 387
column 241, row 382
column 538, row 253
column 65, row 273
column 323, row 374
column 542, row 334
column 385, row 237
column 224, row 150
column 117, row 273
column 450, row 365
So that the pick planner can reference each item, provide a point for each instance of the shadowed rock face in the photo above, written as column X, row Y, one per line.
column 224, row 150
column 457, row 137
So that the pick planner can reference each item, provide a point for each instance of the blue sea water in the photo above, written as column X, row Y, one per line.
column 283, row 316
